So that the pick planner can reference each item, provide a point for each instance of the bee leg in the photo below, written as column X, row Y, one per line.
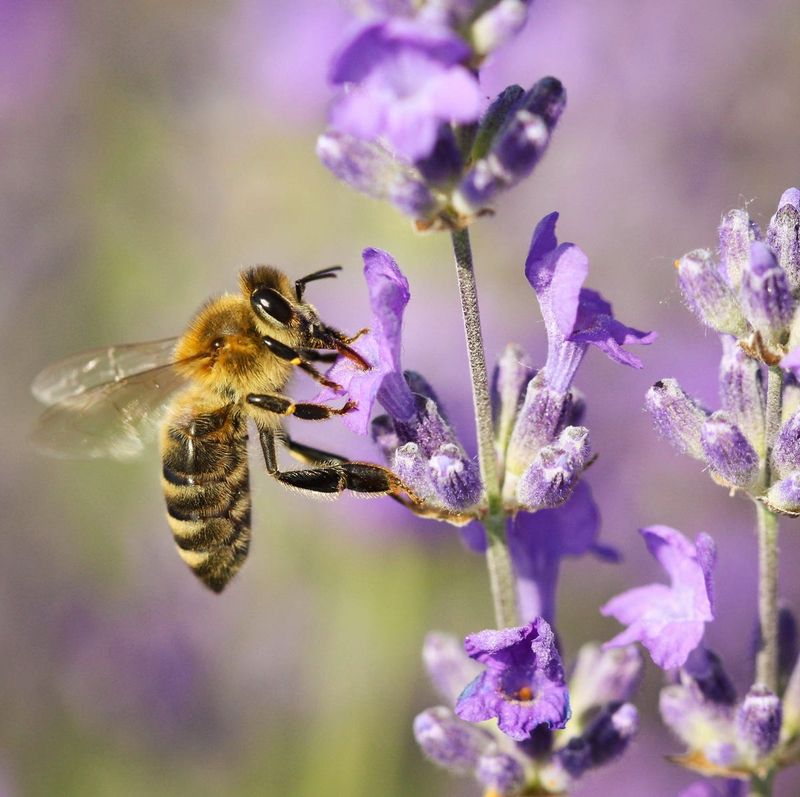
column 295, row 358
column 313, row 456
column 280, row 405
column 309, row 455
column 334, row 477
column 312, row 355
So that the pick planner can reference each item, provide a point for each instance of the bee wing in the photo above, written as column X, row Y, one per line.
column 114, row 419
column 82, row 372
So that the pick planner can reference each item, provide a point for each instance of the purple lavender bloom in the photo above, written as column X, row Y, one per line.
column 677, row 416
column 766, row 298
column 709, row 294
column 512, row 373
column 735, row 236
column 368, row 167
column 406, row 79
column 603, row 676
column 388, row 294
column 783, row 236
column 786, row 451
column 609, row 733
column 574, row 317
column 516, row 148
column 449, row 668
column 539, row 541
column 731, row 458
column 742, row 391
column 784, row 495
column 448, row 741
column 759, row 721
column 669, row 620
column 500, row 772
column 523, row 685
column 704, row 670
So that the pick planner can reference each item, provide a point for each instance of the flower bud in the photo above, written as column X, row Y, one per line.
column 449, row 668
column 371, row 169
column 450, row 742
column 786, row 451
column 735, row 235
column 443, row 166
column 708, row 294
column 455, row 477
column 766, row 299
column 411, row 466
column 575, row 758
column 729, row 455
column 516, row 149
column 610, row 731
column 549, row 480
column 741, row 388
column 704, row 670
column 497, row 25
column 783, row 235
column 702, row 726
column 500, row 772
column 418, row 384
column 539, row 422
column 677, row 416
column 784, row 495
column 511, row 375
column 759, row 721
column 603, row 676
column 506, row 102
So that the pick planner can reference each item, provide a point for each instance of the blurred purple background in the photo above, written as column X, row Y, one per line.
column 150, row 150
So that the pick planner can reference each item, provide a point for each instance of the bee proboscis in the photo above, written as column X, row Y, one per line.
column 200, row 390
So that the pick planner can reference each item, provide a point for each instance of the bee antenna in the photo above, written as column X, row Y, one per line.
column 324, row 273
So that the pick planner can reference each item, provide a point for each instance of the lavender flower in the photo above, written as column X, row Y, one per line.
column 405, row 79
column 523, row 685
column 380, row 347
column 547, row 759
column 575, row 318
column 669, row 621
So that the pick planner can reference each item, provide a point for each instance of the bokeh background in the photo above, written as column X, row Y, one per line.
column 148, row 150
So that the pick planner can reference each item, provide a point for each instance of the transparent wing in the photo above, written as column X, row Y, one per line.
column 79, row 373
column 115, row 419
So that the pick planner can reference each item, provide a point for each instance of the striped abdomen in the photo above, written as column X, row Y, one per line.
column 206, row 483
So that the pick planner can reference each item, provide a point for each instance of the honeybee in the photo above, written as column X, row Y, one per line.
column 201, row 389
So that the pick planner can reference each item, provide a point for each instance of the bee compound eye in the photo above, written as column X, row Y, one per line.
column 269, row 305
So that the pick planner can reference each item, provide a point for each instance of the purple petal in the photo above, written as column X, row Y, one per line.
column 388, row 295
column 377, row 42
column 596, row 325
column 669, row 621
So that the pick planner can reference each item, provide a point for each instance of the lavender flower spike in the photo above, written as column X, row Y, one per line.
column 406, row 78
column 523, row 685
column 389, row 295
column 669, row 621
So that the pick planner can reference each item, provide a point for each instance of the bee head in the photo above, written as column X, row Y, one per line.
column 276, row 302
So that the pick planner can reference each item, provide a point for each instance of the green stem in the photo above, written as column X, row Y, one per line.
column 498, row 560
column 760, row 787
column 767, row 658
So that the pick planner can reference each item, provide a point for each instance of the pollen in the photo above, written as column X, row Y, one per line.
column 677, row 263
column 525, row 693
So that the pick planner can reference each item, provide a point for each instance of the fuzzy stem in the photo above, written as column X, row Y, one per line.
column 498, row 560
column 767, row 658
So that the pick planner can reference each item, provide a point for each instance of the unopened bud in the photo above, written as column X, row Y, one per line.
column 741, row 388
column 735, row 236
column 497, row 25
column 786, row 451
column 501, row 772
column 728, row 453
column 708, row 293
column 783, row 235
column 759, row 721
column 784, row 495
column 677, row 416
column 448, row 741
column 767, row 300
